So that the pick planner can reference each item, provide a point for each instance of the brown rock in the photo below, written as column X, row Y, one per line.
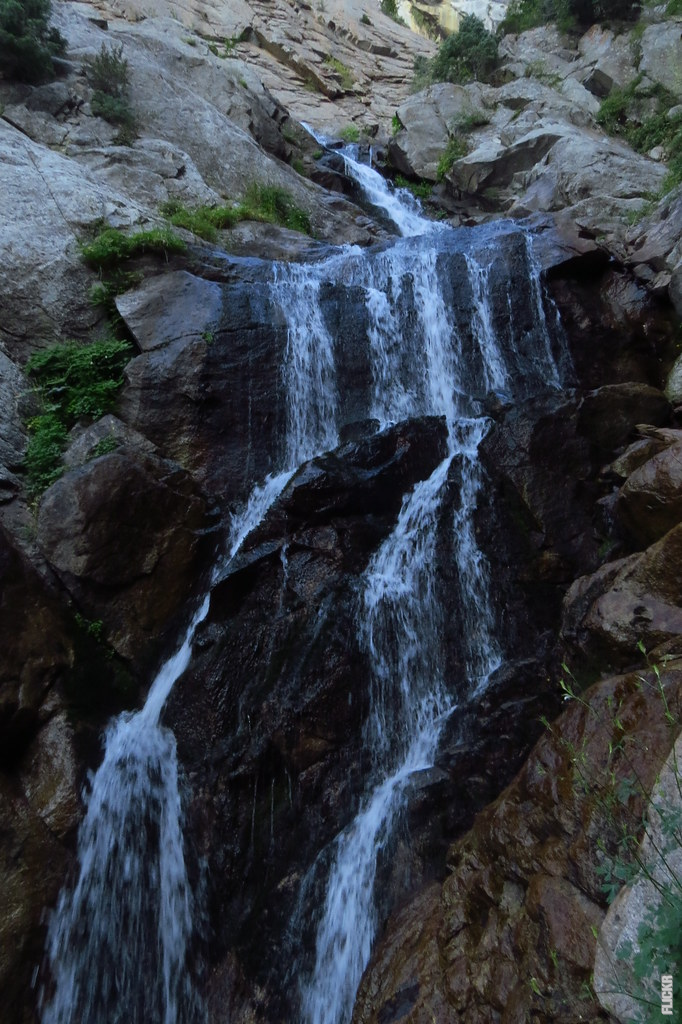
column 121, row 531
column 650, row 500
column 524, row 895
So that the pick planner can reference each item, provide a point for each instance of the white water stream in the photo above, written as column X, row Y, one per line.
column 119, row 941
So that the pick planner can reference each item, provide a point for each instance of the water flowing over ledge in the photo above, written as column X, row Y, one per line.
column 120, row 944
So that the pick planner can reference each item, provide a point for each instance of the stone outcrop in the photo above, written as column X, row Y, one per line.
column 511, row 934
column 122, row 532
column 642, row 907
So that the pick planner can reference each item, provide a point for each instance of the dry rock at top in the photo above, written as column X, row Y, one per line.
column 662, row 55
column 426, row 118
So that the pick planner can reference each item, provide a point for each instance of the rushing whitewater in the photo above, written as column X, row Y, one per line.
column 399, row 615
column 121, row 941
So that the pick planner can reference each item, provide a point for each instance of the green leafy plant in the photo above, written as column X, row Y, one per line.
column 111, row 247
column 390, row 8
column 105, row 446
column 351, row 133
column 469, row 53
column 108, row 74
column 396, row 124
column 419, row 189
column 262, row 202
column 364, row 20
column 468, row 122
column 27, row 43
column 456, row 148
column 627, row 112
column 566, row 14
column 72, row 382
column 638, row 849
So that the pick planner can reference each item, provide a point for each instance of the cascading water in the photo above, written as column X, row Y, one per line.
column 398, row 618
column 120, row 942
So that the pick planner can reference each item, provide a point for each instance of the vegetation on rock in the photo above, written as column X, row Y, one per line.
column 470, row 53
column 108, row 73
column 73, row 382
column 27, row 43
column 265, row 203
column 112, row 247
column 456, row 148
column 627, row 112
column 525, row 14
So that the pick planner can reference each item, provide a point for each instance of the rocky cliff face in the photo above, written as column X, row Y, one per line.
column 580, row 520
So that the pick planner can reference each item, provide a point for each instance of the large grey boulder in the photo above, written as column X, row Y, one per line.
column 53, row 201
column 662, row 55
column 607, row 61
column 428, row 118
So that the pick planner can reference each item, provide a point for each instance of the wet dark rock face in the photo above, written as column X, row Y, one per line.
column 269, row 717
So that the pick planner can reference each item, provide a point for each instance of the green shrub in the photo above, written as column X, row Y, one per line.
column 419, row 189
column 351, row 133
column 72, row 382
column 525, row 14
column 467, row 54
column 27, row 43
column 112, row 247
column 364, row 20
column 108, row 74
column 275, row 206
column 456, row 148
column 468, row 122
column 626, row 112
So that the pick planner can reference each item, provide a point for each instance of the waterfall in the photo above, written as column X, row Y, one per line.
column 120, row 940
column 399, row 619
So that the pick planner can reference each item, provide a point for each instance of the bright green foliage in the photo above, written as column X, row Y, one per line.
column 27, row 44
column 627, row 112
column 456, row 148
column 111, row 246
column 469, row 53
column 73, row 382
column 467, row 122
column 396, row 124
column 674, row 8
column 420, row 189
column 344, row 72
column 46, row 444
column 351, row 133
column 104, row 447
column 275, row 206
column 262, row 202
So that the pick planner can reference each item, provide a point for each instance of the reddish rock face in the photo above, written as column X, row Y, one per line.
column 511, row 935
